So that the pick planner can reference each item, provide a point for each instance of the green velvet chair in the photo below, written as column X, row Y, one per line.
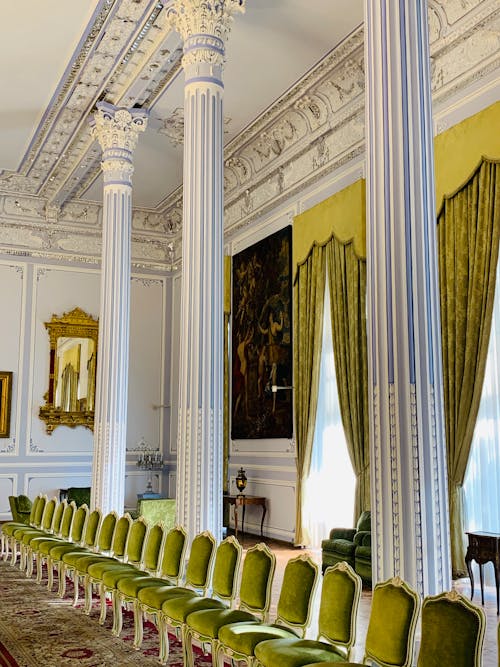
column 197, row 579
column 224, row 579
column 88, row 544
column 56, row 528
column 41, row 545
column 29, row 534
column 391, row 628
column 148, row 566
column 352, row 545
column 254, row 600
column 103, row 544
column 76, row 541
column 170, row 571
column 116, row 551
column 80, row 495
column 340, row 595
column 17, row 533
column 237, row 641
column 21, row 515
column 131, row 562
column 452, row 632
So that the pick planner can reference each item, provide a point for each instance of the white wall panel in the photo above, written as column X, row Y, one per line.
column 12, row 280
column 56, row 290
column 8, row 487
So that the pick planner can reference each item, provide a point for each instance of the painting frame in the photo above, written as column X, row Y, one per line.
column 5, row 402
column 261, row 339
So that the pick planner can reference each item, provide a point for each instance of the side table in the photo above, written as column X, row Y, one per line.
column 483, row 548
column 243, row 501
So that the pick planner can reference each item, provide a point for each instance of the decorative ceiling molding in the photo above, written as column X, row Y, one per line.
column 312, row 130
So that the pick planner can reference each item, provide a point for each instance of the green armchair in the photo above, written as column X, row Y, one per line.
column 20, row 506
column 352, row 545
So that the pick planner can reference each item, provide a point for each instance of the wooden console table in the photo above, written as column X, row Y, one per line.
column 483, row 548
column 243, row 501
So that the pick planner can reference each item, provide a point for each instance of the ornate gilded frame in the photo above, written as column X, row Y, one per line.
column 5, row 402
column 74, row 324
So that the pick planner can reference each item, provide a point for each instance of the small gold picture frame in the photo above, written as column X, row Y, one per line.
column 5, row 401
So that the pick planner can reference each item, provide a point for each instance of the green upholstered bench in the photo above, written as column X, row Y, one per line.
column 155, row 510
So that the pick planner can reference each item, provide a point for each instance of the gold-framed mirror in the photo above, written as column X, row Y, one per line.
column 70, row 398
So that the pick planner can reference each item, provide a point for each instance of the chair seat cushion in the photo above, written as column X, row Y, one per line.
column 97, row 569
column 11, row 526
column 130, row 586
column 208, row 622
column 244, row 637
column 44, row 546
column 342, row 547
column 83, row 563
column 71, row 557
column 58, row 550
column 295, row 652
column 178, row 609
column 155, row 596
column 114, row 573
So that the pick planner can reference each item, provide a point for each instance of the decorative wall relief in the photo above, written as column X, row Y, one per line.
column 262, row 340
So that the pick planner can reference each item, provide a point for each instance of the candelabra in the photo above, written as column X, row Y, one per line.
column 149, row 459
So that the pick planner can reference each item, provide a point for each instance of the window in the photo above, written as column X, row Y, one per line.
column 482, row 480
column 330, row 488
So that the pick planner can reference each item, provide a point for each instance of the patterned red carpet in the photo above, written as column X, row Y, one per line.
column 37, row 629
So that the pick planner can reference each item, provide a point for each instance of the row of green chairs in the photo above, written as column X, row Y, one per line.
column 140, row 566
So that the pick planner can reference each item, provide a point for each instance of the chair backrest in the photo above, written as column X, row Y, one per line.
column 38, row 513
column 106, row 532
column 135, row 541
column 173, row 554
column 34, row 509
column 200, row 561
column 91, row 528
column 48, row 515
column 338, row 607
column 67, row 520
column 257, row 580
column 152, row 548
column 20, row 506
column 393, row 619
column 452, row 632
column 120, row 536
column 58, row 515
column 78, row 524
column 296, row 595
column 226, row 569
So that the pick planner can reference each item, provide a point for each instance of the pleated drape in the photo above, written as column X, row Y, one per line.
column 468, row 237
column 347, row 282
column 309, row 295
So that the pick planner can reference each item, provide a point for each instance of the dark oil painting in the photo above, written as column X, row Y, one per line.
column 261, row 405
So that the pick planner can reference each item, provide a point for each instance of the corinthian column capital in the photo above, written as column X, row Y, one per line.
column 117, row 130
column 204, row 27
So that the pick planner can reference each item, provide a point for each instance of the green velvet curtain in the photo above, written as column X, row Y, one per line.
column 347, row 282
column 468, row 238
column 308, row 304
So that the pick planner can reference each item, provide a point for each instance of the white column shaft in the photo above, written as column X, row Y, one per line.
column 117, row 131
column 407, row 441
column 112, row 367
column 201, row 363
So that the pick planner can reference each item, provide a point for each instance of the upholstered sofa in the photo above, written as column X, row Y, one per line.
column 155, row 510
column 79, row 494
column 352, row 545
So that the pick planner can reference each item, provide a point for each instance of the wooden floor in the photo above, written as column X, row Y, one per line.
column 286, row 551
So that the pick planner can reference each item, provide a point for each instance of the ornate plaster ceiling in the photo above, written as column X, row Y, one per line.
column 62, row 57
column 294, row 110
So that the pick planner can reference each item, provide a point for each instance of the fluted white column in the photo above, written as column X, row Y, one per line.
column 117, row 132
column 407, row 440
column 204, row 28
